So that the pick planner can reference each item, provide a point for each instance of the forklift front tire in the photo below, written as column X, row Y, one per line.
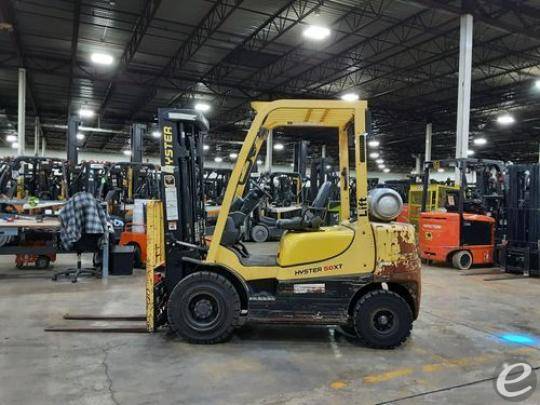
column 462, row 260
column 204, row 308
column 382, row 319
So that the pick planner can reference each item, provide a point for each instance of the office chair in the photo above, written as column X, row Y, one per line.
column 89, row 242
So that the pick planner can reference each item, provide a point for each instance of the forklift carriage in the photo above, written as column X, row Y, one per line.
column 360, row 274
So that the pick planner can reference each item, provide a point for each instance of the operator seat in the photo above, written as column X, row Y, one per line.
column 310, row 220
column 240, row 209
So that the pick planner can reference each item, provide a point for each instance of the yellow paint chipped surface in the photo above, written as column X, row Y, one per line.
column 388, row 375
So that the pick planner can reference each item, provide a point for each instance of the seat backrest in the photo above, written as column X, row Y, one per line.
column 321, row 200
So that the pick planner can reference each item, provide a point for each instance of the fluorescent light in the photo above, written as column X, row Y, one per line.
column 15, row 145
column 373, row 143
column 203, row 107
column 259, row 162
column 126, row 152
column 440, row 170
column 328, row 167
column 381, row 166
column 480, row 141
column 374, row 155
column 206, row 147
column 278, row 146
column 350, row 97
column 233, row 155
column 316, row 32
column 86, row 112
column 386, row 170
column 80, row 136
column 156, row 134
column 537, row 84
column 379, row 161
column 505, row 119
column 101, row 58
column 11, row 138
column 218, row 159
column 470, row 152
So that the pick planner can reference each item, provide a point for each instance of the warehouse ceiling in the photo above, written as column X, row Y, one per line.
column 402, row 56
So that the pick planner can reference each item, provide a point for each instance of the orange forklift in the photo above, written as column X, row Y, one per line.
column 465, row 232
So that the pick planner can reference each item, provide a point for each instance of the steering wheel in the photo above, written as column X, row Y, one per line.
column 258, row 187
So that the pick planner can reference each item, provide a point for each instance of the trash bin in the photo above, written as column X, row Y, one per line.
column 121, row 260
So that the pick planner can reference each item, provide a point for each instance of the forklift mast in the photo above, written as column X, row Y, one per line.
column 182, row 135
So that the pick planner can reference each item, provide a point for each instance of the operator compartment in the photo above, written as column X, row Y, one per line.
column 307, row 247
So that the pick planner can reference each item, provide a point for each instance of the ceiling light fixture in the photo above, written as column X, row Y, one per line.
column 350, row 97
column 233, row 155
column 373, row 143
column 205, row 147
column 386, row 170
column 15, row 145
column 537, row 84
column 278, row 146
column 259, row 162
column 316, row 32
column 480, row 141
column 101, row 58
column 80, row 136
column 379, row 161
column 381, row 166
column 126, row 152
column 505, row 119
column 202, row 107
column 470, row 152
column 156, row 133
column 218, row 159
column 374, row 155
column 11, row 138
column 85, row 112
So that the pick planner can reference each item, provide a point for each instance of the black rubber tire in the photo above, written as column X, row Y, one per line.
column 462, row 260
column 379, row 303
column 225, row 302
column 42, row 262
column 259, row 233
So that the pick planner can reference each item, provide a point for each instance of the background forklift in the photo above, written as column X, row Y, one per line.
column 361, row 274
column 465, row 233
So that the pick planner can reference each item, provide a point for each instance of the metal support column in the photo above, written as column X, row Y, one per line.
column 464, row 87
column 21, row 116
column 418, row 164
column 43, row 146
column 427, row 156
column 137, row 136
column 269, row 148
column 71, row 140
column 37, row 132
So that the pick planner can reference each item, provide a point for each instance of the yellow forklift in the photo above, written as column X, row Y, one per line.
column 362, row 274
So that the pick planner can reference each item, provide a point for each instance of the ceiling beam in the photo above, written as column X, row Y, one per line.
column 210, row 23
column 140, row 28
column 477, row 10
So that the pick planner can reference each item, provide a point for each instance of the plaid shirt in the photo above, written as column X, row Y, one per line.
column 81, row 214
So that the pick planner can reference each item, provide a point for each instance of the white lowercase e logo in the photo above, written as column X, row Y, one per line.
column 515, row 381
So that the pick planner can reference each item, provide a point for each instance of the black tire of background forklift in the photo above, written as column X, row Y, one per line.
column 205, row 289
column 382, row 319
column 462, row 260
column 260, row 233
column 42, row 262
column 137, row 261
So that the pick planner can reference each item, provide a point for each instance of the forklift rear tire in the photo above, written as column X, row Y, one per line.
column 382, row 319
column 462, row 260
column 259, row 233
column 204, row 308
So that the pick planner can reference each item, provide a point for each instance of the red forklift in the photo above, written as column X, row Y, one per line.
column 466, row 231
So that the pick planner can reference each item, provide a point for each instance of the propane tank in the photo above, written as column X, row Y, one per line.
column 384, row 204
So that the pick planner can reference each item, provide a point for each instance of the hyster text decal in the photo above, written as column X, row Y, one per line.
column 168, row 152
column 314, row 270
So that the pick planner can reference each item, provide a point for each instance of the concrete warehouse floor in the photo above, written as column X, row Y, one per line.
column 451, row 356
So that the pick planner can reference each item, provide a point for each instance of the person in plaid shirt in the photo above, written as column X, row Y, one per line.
column 81, row 214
